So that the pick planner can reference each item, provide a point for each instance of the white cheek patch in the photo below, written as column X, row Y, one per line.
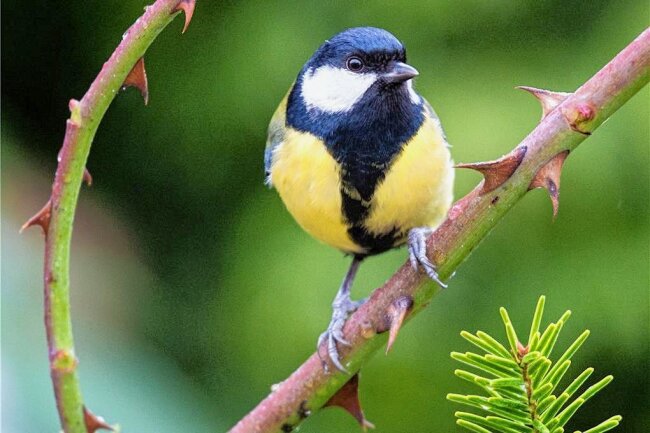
column 415, row 98
column 334, row 90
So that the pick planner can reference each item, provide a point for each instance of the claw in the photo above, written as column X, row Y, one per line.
column 342, row 307
column 333, row 353
column 417, row 244
column 334, row 332
column 339, row 337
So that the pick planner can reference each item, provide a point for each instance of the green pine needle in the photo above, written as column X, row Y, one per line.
column 538, row 371
column 520, row 383
column 537, row 318
column 543, row 391
column 555, row 376
column 593, row 389
column 578, row 381
column 471, row 426
column 510, row 330
column 473, row 378
column 494, row 344
column 554, row 408
column 481, row 344
column 531, row 357
column 605, row 425
column 564, row 416
column 545, row 403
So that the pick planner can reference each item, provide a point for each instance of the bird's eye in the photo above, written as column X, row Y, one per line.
column 354, row 64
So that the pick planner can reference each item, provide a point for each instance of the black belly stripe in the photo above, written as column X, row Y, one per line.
column 359, row 179
column 374, row 244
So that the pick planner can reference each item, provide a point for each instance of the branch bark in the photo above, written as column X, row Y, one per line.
column 56, row 217
column 568, row 120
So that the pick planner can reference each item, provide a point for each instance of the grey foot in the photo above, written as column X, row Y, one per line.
column 342, row 308
column 418, row 253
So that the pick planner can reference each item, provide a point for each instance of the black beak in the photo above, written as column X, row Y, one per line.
column 400, row 72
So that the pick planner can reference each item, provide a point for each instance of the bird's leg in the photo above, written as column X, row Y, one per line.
column 417, row 244
column 342, row 307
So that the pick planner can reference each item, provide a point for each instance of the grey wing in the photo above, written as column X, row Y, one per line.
column 275, row 136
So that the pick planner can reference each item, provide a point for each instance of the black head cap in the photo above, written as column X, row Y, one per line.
column 376, row 48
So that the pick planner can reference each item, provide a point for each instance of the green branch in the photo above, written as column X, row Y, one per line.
column 568, row 120
column 57, row 216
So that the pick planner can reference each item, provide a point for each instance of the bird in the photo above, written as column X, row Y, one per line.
column 360, row 159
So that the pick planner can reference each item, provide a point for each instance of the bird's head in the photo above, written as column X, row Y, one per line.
column 350, row 64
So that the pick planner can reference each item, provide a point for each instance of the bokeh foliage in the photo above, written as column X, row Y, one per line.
column 193, row 290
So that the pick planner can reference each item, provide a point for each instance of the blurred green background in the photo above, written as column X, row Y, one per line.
column 194, row 290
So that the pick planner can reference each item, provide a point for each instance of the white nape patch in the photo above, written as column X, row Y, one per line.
column 415, row 98
column 334, row 90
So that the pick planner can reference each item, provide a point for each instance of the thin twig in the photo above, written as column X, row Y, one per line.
column 56, row 218
column 536, row 162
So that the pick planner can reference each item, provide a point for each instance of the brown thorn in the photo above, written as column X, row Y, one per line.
column 94, row 422
column 498, row 171
column 187, row 6
column 548, row 177
column 397, row 312
column 347, row 398
column 87, row 177
column 547, row 98
column 138, row 78
column 41, row 218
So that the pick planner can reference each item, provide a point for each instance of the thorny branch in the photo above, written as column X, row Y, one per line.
column 125, row 67
column 568, row 119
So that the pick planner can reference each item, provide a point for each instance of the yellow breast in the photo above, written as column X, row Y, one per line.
column 307, row 179
column 417, row 190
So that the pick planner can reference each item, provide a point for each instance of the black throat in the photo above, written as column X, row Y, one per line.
column 364, row 141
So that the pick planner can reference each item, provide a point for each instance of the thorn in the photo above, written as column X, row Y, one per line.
column 547, row 98
column 87, row 177
column 578, row 116
column 497, row 172
column 41, row 218
column 94, row 422
column 397, row 312
column 549, row 177
column 187, row 6
column 138, row 78
column 347, row 398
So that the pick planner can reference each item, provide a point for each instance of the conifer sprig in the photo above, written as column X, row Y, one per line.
column 520, row 382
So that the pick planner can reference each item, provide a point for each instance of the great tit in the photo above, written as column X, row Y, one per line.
column 359, row 157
